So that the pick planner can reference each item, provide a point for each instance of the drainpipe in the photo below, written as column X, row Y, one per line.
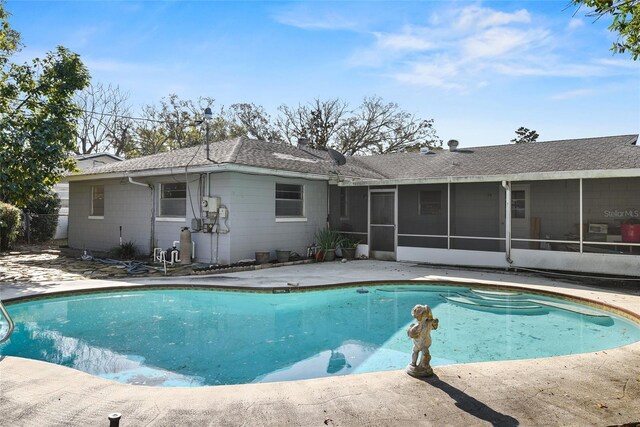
column 153, row 211
column 507, row 219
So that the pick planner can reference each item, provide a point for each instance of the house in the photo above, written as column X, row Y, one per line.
column 83, row 161
column 562, row 205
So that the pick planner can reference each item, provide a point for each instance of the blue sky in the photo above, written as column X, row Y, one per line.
column 480, row 69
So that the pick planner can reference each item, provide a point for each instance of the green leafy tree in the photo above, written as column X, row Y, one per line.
column 626, row 22
column 44, row 210
column 524, row 135
column 37, row 118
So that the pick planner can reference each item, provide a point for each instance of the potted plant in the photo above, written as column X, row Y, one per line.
column 349, row 247
column 328, row 240
column 283, row 255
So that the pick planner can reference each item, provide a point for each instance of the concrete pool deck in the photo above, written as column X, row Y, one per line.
column 601, row 388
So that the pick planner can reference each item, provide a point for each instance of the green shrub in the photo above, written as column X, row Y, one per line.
column 9, row 225
column 125, row 251
column 44, row 219
column 328, row 239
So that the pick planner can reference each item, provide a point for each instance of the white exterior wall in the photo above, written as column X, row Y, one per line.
column 526, row 258
column 125, row 205
column 252, row 219
column 250, row 200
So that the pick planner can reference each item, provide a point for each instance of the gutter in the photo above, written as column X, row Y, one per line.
column 218, row 168
column 530, row 176
column 153, row 211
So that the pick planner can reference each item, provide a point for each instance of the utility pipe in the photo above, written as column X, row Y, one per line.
column 507, row 218
column 153, row 211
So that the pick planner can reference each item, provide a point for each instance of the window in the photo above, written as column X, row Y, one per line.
column 518, row 204
column 173, row 199
column 97, row 200
column 430, row 202
column 289, row 200
column 344, row 212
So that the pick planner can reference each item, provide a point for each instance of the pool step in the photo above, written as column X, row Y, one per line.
column 493, row 301
column 495, row 307
column 515, row 298
column 496, row 294
column 592, row 315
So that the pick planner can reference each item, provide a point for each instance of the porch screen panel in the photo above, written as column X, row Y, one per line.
column 422, row 216
column 611, row 216
column 348, row 210
column 548, row 215
column 383, row 238
column 476, row 217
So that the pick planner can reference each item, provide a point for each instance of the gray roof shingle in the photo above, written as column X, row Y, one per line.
column 612, row 152
column 242, row 151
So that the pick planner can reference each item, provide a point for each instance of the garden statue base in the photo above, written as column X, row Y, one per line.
column 419, row 371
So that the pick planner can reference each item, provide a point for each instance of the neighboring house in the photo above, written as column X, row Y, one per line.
column 83, row 162
column 547, row 205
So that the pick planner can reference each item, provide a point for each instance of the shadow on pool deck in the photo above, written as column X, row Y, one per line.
column 471, row 405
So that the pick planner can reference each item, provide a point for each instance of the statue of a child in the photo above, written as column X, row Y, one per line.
column 421, row 335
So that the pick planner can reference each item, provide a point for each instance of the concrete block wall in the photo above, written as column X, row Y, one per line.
column 252, row 205
column 125, row 205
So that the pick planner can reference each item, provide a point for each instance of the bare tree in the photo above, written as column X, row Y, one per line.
column 255, row 122
column 378, row 127
column 319, row 121
column 103, row 124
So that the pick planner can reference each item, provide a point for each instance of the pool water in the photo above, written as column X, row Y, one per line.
column 206, row 337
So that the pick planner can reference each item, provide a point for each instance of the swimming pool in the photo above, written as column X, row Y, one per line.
column 179, row 337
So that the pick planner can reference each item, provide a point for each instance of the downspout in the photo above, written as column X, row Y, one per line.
column 507, row 220
column 153, row 211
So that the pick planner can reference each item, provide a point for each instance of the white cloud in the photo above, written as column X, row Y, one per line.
column 475, row 17
column 500, row 41
column 313, row 20
column 440, row 73
column 573, row 94
column 575, row 23
column 404, row 41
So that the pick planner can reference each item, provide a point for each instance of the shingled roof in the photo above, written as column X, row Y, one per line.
column 612, row 152
column 605, row 153
column 242, row 151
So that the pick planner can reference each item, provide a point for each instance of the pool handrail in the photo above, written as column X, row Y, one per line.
column 5, row 313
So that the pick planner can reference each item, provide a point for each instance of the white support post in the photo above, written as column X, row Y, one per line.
column 448, row 215
column 581, row 219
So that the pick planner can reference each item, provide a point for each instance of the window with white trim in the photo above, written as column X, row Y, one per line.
column 97, row 200
column 289, row 200
column 173, row 200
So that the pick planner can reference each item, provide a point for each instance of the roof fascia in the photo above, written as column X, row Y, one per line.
column 217, row 168
column 533, row 176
